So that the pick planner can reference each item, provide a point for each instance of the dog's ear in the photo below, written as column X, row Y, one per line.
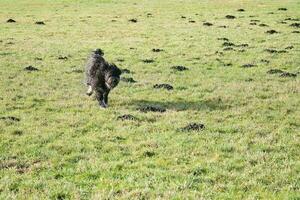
column 99, row 52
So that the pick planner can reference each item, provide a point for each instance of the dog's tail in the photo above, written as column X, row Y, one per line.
column 99, row 52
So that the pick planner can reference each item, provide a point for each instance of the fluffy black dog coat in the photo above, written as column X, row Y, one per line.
column 101, row 77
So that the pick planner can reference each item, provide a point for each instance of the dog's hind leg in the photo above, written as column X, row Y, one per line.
column 89, row 91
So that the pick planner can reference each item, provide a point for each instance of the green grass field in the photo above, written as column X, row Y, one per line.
column 57, row 143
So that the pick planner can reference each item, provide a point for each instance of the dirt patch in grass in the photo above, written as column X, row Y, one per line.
column 230, row 17
column 207, row 24
column 224, row 39
column 163, row 86
column 282, row 9
column 265, row 61
column 149, row 154
column 228, row 44
column 31, row 68
column 148, row 61
column 275, row 71
column 248, row 65
column 296, row 25
column 152, row 108
column 126, row 117
column 193, row 127
column 11, row 21
column 228, row 49
column 263, row 25
column 289, row 47
column 288, row 74
column 128, row 80
column 133, row 20
column 40, row 23
column 275, row 51
column 179, row 68
column 271, row 32
column 10, row 118
column 157, row 50
column 62, row 58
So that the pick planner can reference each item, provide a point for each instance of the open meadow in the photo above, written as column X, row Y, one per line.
column 208, row 106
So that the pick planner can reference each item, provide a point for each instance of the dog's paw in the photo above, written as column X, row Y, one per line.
column 103, row 105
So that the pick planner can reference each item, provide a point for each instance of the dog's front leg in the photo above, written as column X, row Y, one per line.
column 100, row 99
column 105, row 97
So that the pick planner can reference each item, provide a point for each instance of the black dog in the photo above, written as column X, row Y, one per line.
column 101, row 77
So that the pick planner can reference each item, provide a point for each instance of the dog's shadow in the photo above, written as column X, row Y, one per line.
column 181, row 105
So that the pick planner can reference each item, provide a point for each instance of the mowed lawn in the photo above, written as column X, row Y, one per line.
column 242, row 84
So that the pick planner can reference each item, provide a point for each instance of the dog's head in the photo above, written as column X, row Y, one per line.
column 112, row 76
column 98, row 52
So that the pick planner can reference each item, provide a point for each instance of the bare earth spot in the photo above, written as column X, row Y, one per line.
column 120, row 60
column 230, row 17
column 275, row 71
column 149, row 154
column 148, row 61
column 289, row 47
column 242, row 45
column 228, row 49
column 11, row 21
column 126, row 117
column 249, row 80
column 288, row 74
column 128, row 80
column 133, row 20
column 207, row 24
column 157, row 50
column 275, row 51
column 248, row 65
column 17, row 132
column 291, row 19
column 31, row 68
column 193, row 127
column 271, row 32
column 180, row 68
column 265, row 61
column 263, row 25
column 228, row 44
column 77, row 71
column 63, row 58
column 10, row 118
column 163, row 86
column 152, row 109
column 225, row 39
column 296, row 25
column 282, row 9
column 40, row 23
